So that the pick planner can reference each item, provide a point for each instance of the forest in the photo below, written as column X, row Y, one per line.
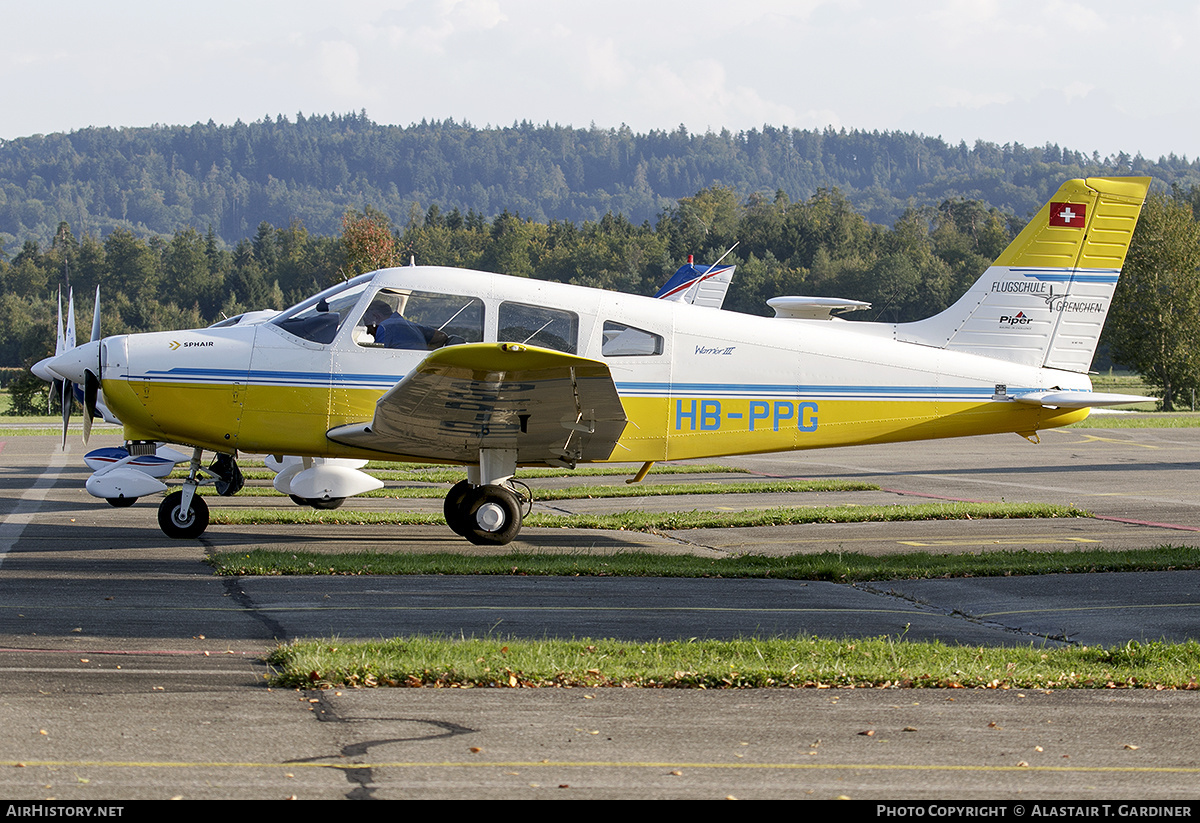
column 159, row 180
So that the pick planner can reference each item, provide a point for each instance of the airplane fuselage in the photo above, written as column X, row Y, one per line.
column 694, row 382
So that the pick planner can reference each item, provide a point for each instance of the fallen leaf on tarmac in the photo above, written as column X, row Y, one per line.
column 868, row 733
column 1131, row 747
column 475, row 750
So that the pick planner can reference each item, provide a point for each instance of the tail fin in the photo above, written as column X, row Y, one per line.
column 1044, row 300
column 699, row 285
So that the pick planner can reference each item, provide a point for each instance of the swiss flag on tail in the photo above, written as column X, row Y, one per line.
column 1069, row 215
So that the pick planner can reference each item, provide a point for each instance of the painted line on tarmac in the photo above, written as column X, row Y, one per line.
column 28, row 504
column 1133, row 522
column 591, row 764
column 499, row 608
column 91, row 671
column 1008, row 541
column 1094, row 608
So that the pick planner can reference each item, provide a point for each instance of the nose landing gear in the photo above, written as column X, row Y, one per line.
column 183, row 514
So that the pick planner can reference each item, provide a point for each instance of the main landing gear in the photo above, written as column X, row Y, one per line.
column 487, row 508
column 184, row 514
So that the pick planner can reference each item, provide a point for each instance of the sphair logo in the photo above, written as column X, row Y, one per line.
column 1019, row 319
column 190, row 344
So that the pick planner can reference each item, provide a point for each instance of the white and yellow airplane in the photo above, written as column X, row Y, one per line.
column 494, row 372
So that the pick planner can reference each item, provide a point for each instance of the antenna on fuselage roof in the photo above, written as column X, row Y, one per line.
column 412, row 262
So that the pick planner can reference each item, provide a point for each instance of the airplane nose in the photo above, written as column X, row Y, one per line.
column 70, row 365
column 41, row 370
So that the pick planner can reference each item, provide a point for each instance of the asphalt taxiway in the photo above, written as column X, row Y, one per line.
column 133, row 672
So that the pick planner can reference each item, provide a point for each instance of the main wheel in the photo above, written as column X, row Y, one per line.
column 491, row 516
column 325, row 503
column 454, row 510
column 179, row 524
column 230, row 480
column 120, row 502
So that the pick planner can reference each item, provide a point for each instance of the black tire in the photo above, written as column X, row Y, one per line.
column 175, row 523
column 120, row 502
column 505, row 506
column 453, row 508
column 325, row 503
column 230, row 480
column 298, row 500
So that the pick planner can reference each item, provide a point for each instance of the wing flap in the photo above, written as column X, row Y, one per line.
column 549, row 406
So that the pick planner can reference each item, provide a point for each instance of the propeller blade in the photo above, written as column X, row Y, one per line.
column 70, row 336
column 67, row 395
column 91, row 389
column 60, row 339
column 96, row 317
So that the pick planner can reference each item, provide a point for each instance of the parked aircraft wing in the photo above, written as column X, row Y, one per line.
column 549, row 406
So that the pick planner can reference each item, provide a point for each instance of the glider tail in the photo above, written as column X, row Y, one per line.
column 1044, row 300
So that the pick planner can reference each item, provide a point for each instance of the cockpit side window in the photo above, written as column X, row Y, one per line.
column 319, row 318
column 539, row 326
column 406, row 319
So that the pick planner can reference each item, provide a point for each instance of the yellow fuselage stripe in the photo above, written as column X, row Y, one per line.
column 294, row 420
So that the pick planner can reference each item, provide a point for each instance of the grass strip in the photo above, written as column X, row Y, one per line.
column 838, row 567
column 660, row 521
column 805, row 662
column 1141, row 420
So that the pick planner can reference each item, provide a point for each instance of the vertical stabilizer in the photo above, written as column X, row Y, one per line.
column 1044, row 300
column 698, row 285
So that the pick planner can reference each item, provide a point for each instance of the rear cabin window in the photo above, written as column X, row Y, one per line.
column 539, row 326
column 621, row 340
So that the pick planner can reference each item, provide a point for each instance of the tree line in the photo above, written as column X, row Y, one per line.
column 163, row 179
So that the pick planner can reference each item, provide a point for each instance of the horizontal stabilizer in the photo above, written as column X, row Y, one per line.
column 813, row 308
column 123, row 482
column 1078, row 399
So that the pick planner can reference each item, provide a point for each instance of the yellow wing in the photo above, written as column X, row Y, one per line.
column 549, row 406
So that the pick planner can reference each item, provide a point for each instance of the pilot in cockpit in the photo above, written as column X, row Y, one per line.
column 393, row 330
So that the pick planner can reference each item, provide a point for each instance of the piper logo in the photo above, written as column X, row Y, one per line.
column 1019, row 319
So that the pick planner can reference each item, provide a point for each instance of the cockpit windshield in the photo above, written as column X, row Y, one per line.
column 319, row 318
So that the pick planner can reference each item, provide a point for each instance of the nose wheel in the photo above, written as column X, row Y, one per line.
column 181, row 521
column 183, row 514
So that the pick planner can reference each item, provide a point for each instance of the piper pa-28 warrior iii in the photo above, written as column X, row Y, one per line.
column 494, row 372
